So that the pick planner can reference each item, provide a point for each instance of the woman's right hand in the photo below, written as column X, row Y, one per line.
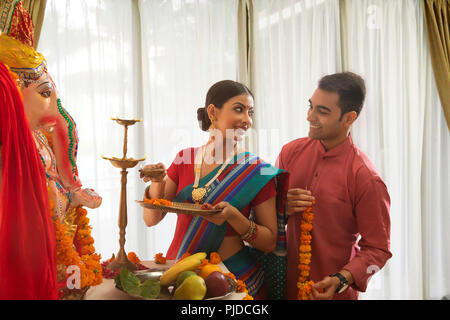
column 147, row 174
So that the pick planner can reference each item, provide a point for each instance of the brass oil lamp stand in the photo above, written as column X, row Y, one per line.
column 124, row 163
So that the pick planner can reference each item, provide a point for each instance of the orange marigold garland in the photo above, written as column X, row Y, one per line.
column 133, row 257
column 204, row 263
column 230, row 275
column 159, row 202
column 160, row 259
column 214, row 258
column 304, row 284
column 79, row 251
column 241, row 287
column 247, row 296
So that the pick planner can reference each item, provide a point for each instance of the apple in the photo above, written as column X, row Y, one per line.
column 217, row 284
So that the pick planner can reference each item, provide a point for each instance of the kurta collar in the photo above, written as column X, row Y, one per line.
column 339, row 149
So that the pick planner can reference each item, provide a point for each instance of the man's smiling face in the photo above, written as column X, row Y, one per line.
column 325, row 119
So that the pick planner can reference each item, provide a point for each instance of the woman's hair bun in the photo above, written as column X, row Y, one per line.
column 203, row 119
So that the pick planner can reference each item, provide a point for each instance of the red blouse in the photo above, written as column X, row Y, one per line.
column 181, row 171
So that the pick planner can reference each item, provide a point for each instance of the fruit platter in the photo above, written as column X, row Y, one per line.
column 191, row 278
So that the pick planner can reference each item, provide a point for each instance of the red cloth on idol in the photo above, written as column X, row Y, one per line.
column 181, row 172
column 27, row 236
column 351, row 200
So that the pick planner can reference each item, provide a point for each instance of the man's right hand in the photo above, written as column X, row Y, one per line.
column 298, row 200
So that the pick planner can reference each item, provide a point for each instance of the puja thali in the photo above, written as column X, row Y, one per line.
column 179, row 207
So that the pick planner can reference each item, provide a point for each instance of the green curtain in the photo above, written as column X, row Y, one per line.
column 437, row 22
column 245, row 43
column 36, row 8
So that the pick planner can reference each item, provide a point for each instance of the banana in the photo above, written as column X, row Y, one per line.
column 170, row 275
column 200, row 256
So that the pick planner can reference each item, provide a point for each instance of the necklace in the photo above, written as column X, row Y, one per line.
column 198, row 194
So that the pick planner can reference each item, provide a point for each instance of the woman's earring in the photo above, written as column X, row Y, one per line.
column 212, row 129
column 212, row 126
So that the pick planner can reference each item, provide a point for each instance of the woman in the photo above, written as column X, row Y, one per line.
column 27, row 238
column 229, row 178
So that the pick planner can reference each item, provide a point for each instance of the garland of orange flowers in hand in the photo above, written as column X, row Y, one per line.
column 304, row 285
column 79, row 251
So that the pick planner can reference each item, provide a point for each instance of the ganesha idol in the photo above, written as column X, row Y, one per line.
column 54, row 130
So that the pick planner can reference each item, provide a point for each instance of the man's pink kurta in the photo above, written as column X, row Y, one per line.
column 351, row 201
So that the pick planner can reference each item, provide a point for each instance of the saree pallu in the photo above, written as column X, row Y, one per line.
column 238, row 185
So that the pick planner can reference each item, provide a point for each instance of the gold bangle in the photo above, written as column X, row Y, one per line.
column 250, row 232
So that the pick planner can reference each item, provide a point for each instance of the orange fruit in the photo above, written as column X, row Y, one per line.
column 208, row 269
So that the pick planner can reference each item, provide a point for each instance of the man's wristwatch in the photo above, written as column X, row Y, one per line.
column 344, row 283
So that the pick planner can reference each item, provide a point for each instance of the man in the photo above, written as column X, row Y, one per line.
column 350, row 198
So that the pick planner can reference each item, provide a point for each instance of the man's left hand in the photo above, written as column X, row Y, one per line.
column 325, row 289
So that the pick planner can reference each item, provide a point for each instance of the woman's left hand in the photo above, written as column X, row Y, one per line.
column 219, row 218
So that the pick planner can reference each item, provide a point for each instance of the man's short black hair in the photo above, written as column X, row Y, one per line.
column 349, row 86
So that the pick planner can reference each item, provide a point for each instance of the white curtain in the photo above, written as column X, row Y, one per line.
column 150, row 60
column 397, row 128
column 401, row 127
column 296, row 42
column 92, row 57
column 155, row 60
column 187, row 46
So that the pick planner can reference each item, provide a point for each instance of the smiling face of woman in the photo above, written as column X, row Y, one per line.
column 39, row 96
column 234, row 118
